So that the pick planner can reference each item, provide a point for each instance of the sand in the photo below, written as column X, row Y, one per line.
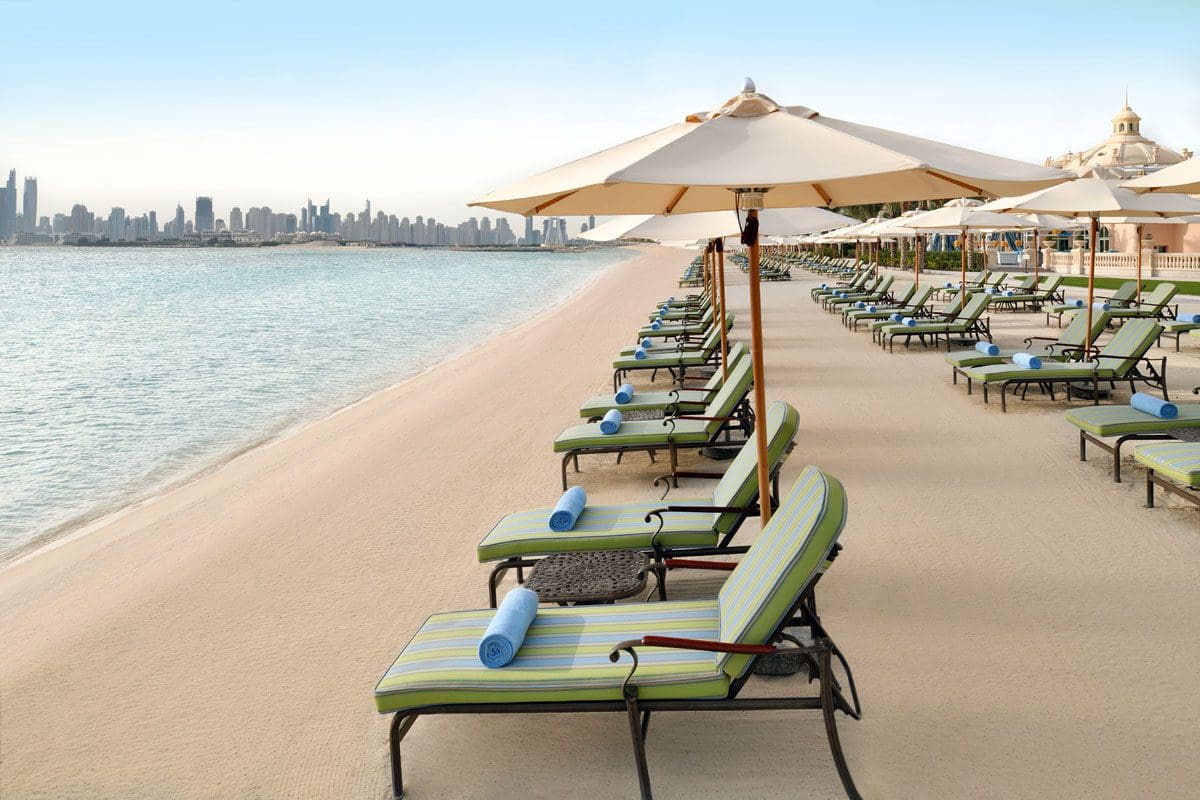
column 1019, row 625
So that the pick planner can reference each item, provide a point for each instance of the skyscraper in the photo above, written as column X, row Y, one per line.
column 116, row 224
column 528, row 240
column 8, row 206
column 179, row 228
column 29, row 207
column 205, row 221
column 235, row 219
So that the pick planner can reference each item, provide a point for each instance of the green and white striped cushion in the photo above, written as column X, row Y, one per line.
column 1119, row 420
column 1072, row 336
column 564, row 658
column 787, row 556
column 739, row 485
column 1176, row 326
column 688, row 399
column 1177, row 460
column 636, row 432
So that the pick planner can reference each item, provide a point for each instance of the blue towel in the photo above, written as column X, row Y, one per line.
column 647, row 342
column 989, row 290
column 896, row 317
column 949, row 285
column 567, row 509
column 987, row 348
column 1076, row 303
column 640, row 353
column 624, row 394
column 1027, row 360
column 506, row 632
column 824, row 286
column 656, row 325
column 1193, row 319
column 1152, row 405
column 1009, row 293
column 861, row 304
column 1100, row 306
column 871, row 309
column 909, row 322
column 662, row 312
column 611, row 422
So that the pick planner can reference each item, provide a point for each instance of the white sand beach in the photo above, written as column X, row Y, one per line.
column 1019, row 625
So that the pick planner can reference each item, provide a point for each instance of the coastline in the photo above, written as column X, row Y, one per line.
column 106, row 514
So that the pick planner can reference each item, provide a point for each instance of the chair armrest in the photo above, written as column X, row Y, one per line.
column 693, row 563
column 658, row 512
column 690, row 644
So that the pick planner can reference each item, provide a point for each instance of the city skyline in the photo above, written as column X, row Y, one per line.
column 348, row 109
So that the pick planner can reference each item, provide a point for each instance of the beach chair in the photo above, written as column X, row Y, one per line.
column 685, row 399
column 689, row 331
column 881, row 292
column 909, row 303
column 690, row 526
column 1175, row 328
column 1047, row 290
column 728, row 410
column 1121, row 359
column 968, row 322
column 682, row 312
column 1098, row 423
column 675, row 359
column 1067, row 347
column 638, row 659
column 949, row 312
column 1117, row 300
column 854, row 284
column 1177, row 461
column 1155, row 305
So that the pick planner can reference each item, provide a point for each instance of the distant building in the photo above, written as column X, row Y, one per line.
column 204, row 219
column 29, row 205
column 8, row 207
column 1123, row 154
column 235, row 219
column 116, row 224
column 179, row 228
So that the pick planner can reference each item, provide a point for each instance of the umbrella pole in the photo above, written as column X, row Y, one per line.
column 724, row 313
column 760, row 387
column 962, row 285
column 917, row 261
column 1037, row 254
column 1139, row 264
column 1087, row 336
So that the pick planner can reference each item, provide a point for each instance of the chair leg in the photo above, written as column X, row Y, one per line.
column 1149, row 488
column 639, row 743
column 831, row 731
column 400, row 725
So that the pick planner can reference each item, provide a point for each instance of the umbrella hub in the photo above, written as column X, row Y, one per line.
column 750, row 103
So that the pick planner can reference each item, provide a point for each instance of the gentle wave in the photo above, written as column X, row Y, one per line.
column 126, row 369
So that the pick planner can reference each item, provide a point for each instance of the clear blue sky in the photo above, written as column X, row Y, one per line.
column 422, row 106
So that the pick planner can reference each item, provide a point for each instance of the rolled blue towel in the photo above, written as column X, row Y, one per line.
column 506, row 632
column 640, row 353
column 1009, row 293
column 908, row 322
column 1027, row 360
column 647, row 343
column 662, row 312
column 824, row 286
column 989, row 290
column 1076, row 303
column 656, row 325
column 987, row 348
column 949, row 285
column 1152, row 405
column 611, row 423
column 624, row 394
column 896, row 317
column 1193, row 319
column 567, row 509
column 871, row 309
column 1100, row 306
column 861, row 304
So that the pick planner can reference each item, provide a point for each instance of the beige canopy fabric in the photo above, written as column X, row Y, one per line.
column 958, row 218
column 716, row 224
column 1183, row 177
column 804, row 158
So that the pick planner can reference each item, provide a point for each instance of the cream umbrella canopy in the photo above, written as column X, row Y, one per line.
column 963, row 218
column 753, row 153
column 1095, row 198
column 1183, row 178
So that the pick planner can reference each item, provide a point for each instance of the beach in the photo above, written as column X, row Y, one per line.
column 1019, row 626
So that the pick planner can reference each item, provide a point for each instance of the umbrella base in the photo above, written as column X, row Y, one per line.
column 1088, row 393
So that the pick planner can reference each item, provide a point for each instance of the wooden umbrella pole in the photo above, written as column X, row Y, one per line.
column 917, row 261
column 724, row 313
column 962, row 284
column 1139, row 264
column 760, row 384
column 1087, row 336
column 1037, row 254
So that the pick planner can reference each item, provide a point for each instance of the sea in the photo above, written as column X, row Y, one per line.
column 126, row 370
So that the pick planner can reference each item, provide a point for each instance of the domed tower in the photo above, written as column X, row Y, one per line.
column 1126, row 124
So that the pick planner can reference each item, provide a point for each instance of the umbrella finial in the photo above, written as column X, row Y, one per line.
column 748, row 86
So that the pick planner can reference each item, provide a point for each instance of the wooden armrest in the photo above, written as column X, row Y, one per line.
column 692, row 563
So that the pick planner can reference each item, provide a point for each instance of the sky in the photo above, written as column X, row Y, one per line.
column 423, row 107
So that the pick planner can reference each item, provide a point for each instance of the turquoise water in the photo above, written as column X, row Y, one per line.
column 127, row 369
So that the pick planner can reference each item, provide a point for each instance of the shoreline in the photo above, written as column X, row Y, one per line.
column 93, row 519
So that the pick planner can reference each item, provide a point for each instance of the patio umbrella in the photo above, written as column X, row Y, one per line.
column 752, row 153
column 1095, row 198
column 964, row 218
column 1183, row 178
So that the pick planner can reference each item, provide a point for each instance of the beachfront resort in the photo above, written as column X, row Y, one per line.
column 769, row 444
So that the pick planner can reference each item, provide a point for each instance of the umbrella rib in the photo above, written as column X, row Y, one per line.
column 675, row 200
column 540, row 208
column 819, row 190
column 948, row 179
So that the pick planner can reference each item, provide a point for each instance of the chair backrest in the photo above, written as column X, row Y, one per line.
column 1050, row 283
column 711, row 340
column 1072, row 335
column 738, row 487
column 781, row 565
column 732, row 393
column 1162, row 294
column 921, row 297
column 973, row 308
column 736, row 351
column 1124, row 293
column 1129, row 344
column 885, row 284
column 902, row 299
column 996, row 278
column 1025, row 284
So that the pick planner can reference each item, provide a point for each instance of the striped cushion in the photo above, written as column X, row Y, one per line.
column 787, row 556
column 610, row 527
column 664, row 359
column 1072, row 336
column 689, row 400
column 564, row 658
column 739, row 484
column 1119, row 420
column 1077, row 370
column 637, row 432
column 1177, row 460
column 1175, row 326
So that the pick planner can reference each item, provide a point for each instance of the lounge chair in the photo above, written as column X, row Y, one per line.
column 1179, row 461
column 910, row 304
column 1118, row 299
column 1155, row 305
column 682, row 332
column 689, row 655
column 879, row 293
column 968, row 322
column 1033, row 298
column 856, row 283
column 949, row 312
column 728, row 410
column 1121, row 359
column 1175, row 328
column 1067, row 347
column 675, row 359
column 685, row 399
column 1097, row 423
column 682, row 312
column 692, row 526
